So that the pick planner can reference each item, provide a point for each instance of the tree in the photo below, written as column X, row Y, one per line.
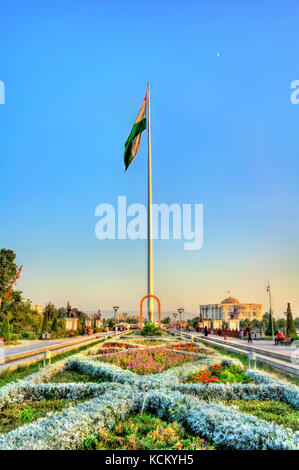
column 45, row 323
column 256, row 324
column 8, row 271
column 244, row 323
column 21, row 314
column 296, row 321
column 61, row 312
column 6, row 328
column 282, row 323
column 291, row 329
column 54, row 324
column 268, row 331
column 166, row 321
column 132, row 319
column 265, row 320
column 51, row 310
column 194, row 322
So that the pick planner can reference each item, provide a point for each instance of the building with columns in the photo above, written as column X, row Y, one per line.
column 231, row 307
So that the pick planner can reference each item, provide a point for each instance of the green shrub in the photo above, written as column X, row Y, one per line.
column 150, row 329
column 27, row 335
column 5, row 331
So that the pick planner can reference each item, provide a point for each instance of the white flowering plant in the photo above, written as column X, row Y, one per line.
column 192, row 405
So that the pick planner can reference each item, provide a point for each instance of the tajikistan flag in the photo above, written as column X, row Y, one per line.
column 133, row 141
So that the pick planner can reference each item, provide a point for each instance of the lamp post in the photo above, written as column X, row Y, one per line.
column 115, row 308
column 175, row 315
column 180, row 310
column 270, row 302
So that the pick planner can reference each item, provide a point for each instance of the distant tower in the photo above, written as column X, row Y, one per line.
column 99, row 315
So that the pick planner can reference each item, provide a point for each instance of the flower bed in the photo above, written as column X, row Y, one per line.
column 189, row 347
column 18, row 414
column 171, row 397
column 146, row 342
column 115, row 344
column 67, row 429
column 146, row 361
column 103, row 351
column 146, row 432
column 10, row 392
column 265, row 389
column 219, row 373
column 222, row 425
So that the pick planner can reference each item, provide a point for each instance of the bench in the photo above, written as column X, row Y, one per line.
column 285, row 340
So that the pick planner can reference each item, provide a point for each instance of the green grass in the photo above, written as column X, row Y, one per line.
column 17, row 414
column 68, row 376
column 22, row 371
column 145, row 432
column 260, row 365
column 274, row 411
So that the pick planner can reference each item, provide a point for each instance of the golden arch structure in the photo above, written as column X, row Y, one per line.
column 159, row 307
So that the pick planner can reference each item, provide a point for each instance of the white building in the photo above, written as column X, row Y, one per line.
column 228, row 306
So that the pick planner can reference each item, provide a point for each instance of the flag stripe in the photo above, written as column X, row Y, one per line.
column 133, row 141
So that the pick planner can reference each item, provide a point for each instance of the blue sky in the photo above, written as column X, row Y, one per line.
column 224, row 134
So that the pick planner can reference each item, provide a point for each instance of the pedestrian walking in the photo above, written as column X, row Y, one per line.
column 249, row 332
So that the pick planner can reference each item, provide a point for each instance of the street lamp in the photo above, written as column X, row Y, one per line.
column 175, row 315
column 180, row 310
column 115, row 308
column 271, row 313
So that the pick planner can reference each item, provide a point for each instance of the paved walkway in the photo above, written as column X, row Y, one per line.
column 284, row 358
column 29, row 346
column 262, row 345
column 64, row 344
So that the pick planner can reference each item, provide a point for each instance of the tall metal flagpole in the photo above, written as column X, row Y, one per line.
column 149, row 215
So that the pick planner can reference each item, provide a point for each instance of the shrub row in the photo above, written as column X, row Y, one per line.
column 223, row 425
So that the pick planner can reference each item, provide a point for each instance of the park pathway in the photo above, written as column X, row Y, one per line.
column 31, row 351
column 284, row 358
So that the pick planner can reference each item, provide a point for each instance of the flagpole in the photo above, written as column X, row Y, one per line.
column 149, row 215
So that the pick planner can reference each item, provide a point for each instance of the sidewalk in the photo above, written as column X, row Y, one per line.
column 281, row 357
column 261, row 344
column 31, row 345
column 30, row 353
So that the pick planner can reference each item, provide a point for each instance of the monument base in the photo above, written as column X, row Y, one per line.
column 71, row 323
